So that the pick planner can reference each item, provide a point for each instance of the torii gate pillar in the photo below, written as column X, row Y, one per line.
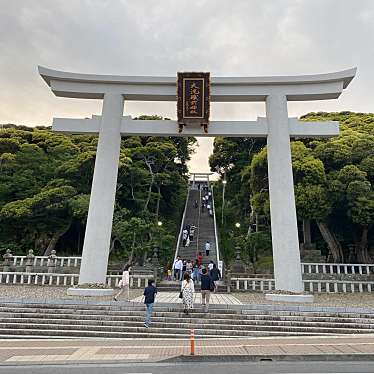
column 286, row 253
column 95, row 252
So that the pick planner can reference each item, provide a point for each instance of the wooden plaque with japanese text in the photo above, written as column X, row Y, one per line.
column 193, row 98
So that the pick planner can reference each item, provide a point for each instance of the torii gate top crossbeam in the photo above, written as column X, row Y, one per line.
column 223, row 89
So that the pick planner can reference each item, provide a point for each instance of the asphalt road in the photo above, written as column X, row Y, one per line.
column 196, row 368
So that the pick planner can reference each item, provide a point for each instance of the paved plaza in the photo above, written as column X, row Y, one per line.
column 154, row 350
column 173, row 297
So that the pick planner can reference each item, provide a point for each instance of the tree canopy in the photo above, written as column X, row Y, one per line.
column 45, row 184
column 333, row 181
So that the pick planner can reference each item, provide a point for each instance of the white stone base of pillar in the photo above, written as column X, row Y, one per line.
column 289, row 298
column 72, row 291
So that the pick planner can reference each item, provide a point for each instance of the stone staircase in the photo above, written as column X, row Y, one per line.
column 33, row 320
column 204, row 230
column 191, row 218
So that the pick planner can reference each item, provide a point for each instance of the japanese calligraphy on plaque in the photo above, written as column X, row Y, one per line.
column 193, row 99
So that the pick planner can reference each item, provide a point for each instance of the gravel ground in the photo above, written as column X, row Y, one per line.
column 365, row 300
column 45, row 292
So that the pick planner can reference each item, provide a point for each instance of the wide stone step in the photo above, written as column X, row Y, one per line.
column 206, row 318
column 47, row 306
column 214, row 311
column 176, row 311
column 180, row 316
column 68, row 334
column 120, row 314
column 188, row 255
column 198, row 312
column 307, row 313
column 177, row 331
column 126, row 320
column 37, row 334
column 311, row 319
column 188, row 323
column 117, row 316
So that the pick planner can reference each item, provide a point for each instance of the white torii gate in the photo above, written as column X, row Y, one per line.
column 200, row 177
column 276, row 127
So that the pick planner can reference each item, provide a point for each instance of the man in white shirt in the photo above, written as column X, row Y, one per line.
column 177, row 268
column 207, row 248
column 184, row 237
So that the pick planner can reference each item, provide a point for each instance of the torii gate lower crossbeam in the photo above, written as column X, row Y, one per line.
column 277, row 127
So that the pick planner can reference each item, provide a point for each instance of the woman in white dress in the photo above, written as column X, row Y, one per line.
column 124, row 284
column 187, row 290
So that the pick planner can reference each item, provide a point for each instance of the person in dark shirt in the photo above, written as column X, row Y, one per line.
column 215, row 275
column 206, row 286
column 149, row 299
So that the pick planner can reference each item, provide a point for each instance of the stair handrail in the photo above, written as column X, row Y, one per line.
column 182, row 223
column 198, row 226
column 215, row 230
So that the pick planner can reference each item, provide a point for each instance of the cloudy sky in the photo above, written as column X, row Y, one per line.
column 161, row 37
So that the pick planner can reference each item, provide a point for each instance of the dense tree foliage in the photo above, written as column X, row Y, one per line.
column 45, row 183
column 333, row 186
column 230, row 158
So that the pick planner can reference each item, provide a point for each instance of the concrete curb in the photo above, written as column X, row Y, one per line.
column 183, row 359
column 239, row 308
column 263, row 358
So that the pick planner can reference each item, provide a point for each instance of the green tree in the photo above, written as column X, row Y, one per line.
column 333, row 183
column 45, row 184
